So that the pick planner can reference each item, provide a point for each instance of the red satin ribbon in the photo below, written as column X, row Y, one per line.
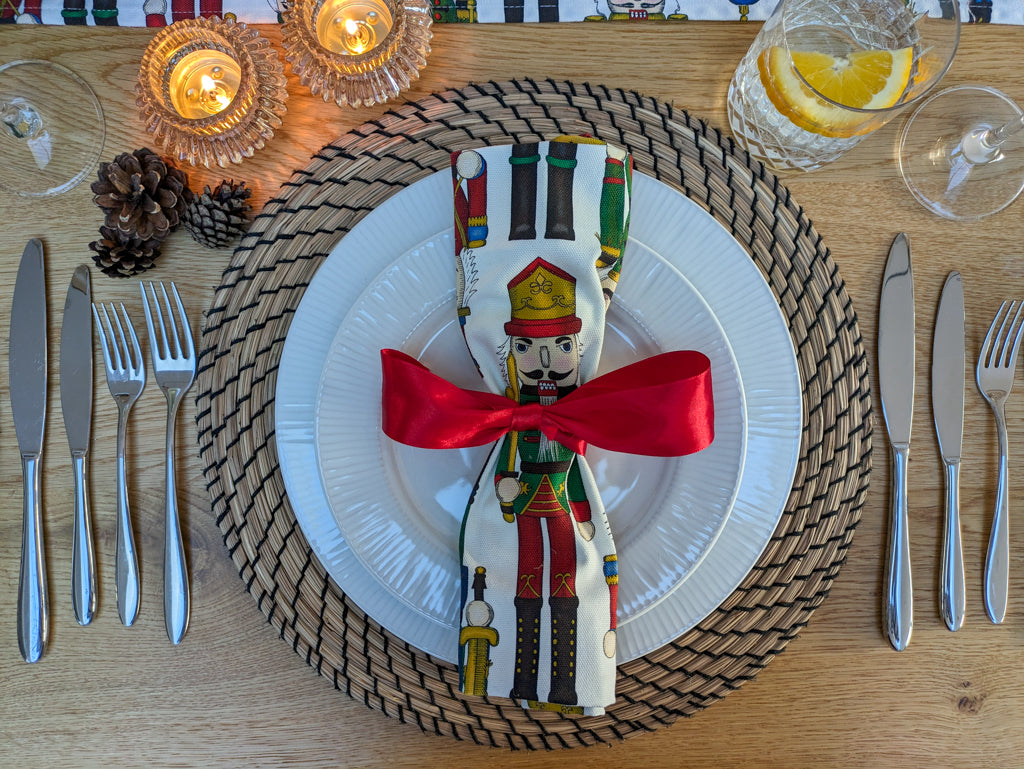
column 660, row 407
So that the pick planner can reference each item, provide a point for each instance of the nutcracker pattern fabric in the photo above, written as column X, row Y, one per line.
column 540, row 230
column 156, row 13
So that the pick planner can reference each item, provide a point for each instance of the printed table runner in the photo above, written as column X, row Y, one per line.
column 158, row 13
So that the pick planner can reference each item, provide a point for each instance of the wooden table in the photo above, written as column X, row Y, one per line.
column 234, row 694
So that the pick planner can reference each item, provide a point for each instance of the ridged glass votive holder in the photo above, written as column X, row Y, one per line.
column 357, row 52
column 212, row 91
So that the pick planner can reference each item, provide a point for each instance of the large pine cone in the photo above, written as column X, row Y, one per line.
column 215, row 218
column 122, row 256
column 143, row 194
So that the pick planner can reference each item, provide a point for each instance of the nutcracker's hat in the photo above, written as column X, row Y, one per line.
column 543, row 299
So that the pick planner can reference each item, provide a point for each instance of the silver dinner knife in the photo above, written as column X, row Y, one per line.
column 76, row 405
column 948, row 359
column 896, row 383
column 27, row 372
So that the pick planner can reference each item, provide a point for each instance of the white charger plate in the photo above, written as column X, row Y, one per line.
column 383, row 518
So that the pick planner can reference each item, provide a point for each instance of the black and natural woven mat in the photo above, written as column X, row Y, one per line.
column 246, row 329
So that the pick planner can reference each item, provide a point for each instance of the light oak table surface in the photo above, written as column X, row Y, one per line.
column 234, row 694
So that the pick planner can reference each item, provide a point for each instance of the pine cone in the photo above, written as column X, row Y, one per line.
column 143, row 194
column 122, row 256
column 215, row 218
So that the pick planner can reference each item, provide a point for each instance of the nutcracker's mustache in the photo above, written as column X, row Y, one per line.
column 539, row 374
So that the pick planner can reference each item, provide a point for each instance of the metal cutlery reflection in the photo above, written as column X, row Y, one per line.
column 126, row 376
column 896, row 383
column 174, row 367
column 76, row 370
column 996, row 365
column 948, row 359
column 27, row 372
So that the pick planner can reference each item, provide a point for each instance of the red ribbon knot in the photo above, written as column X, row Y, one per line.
column 660, row 406
column 527, row 416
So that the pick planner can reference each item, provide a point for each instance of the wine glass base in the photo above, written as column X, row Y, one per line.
column 51, row 128
column 935, row 167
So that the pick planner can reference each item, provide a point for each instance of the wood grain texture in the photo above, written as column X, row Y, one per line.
column 234, row 694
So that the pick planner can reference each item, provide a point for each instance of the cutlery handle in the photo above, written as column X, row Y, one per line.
column 33, row 619
column 176, row 589
column 953, row 600
column 127, row 566
column 899, row 597
column 83, row 555
column 997, row 565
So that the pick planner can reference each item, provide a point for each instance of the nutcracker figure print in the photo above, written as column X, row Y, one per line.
column 637, row 10
column 540, row 230
column 14, row 12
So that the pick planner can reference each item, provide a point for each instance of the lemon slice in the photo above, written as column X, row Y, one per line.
column 873, row 79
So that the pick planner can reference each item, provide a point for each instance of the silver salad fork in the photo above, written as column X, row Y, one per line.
column 996, row 365
column 126, row 376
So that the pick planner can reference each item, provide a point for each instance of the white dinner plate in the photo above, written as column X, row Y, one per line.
column 384, row 518
column 400, row 508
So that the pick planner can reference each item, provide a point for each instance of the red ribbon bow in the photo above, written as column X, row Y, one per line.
column 661, row 407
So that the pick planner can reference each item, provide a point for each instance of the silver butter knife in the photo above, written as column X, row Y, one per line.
column 948, row 359
column 76, row 405
column 896, row 383
column 27, row 372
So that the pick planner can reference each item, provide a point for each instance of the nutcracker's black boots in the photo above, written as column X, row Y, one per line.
column 524, row 192
column 524, row 683
column 561, row 165
column 563, row 649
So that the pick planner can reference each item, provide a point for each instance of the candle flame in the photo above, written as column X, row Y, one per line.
column 211, row 91
column 357, row 33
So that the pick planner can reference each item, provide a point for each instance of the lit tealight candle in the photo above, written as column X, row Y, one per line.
column 356, row 52
column 203, row 83
column 211, row 90
column 353, row 27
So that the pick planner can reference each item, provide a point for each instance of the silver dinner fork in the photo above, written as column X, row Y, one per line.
column 996, row 366
column 126, row 376
column 174, row 367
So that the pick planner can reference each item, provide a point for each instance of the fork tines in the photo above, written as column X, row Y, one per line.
column 166, row 345
column 999, row 348
column 118, row 354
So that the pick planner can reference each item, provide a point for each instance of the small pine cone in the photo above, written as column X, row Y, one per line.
column 216, row 218
column 122, row 256
column 143, row 194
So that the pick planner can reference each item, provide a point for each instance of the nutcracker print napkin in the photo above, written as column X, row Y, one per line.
column 540, row 230
column 539, row 233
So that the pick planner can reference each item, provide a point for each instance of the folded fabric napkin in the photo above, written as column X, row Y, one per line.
column 540, row 230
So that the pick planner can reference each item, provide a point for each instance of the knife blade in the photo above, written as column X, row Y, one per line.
column 896, row 385
column 27, row 379
column 948, row 360
column 76, row 369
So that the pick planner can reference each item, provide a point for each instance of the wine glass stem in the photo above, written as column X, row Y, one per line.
column 20, row 118
column 981, row 145
column 1005, row 131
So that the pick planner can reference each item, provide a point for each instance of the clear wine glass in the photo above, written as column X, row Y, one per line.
column 961, row 153
column 51, row 128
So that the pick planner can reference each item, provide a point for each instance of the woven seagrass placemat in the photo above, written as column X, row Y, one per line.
column 245, row 332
